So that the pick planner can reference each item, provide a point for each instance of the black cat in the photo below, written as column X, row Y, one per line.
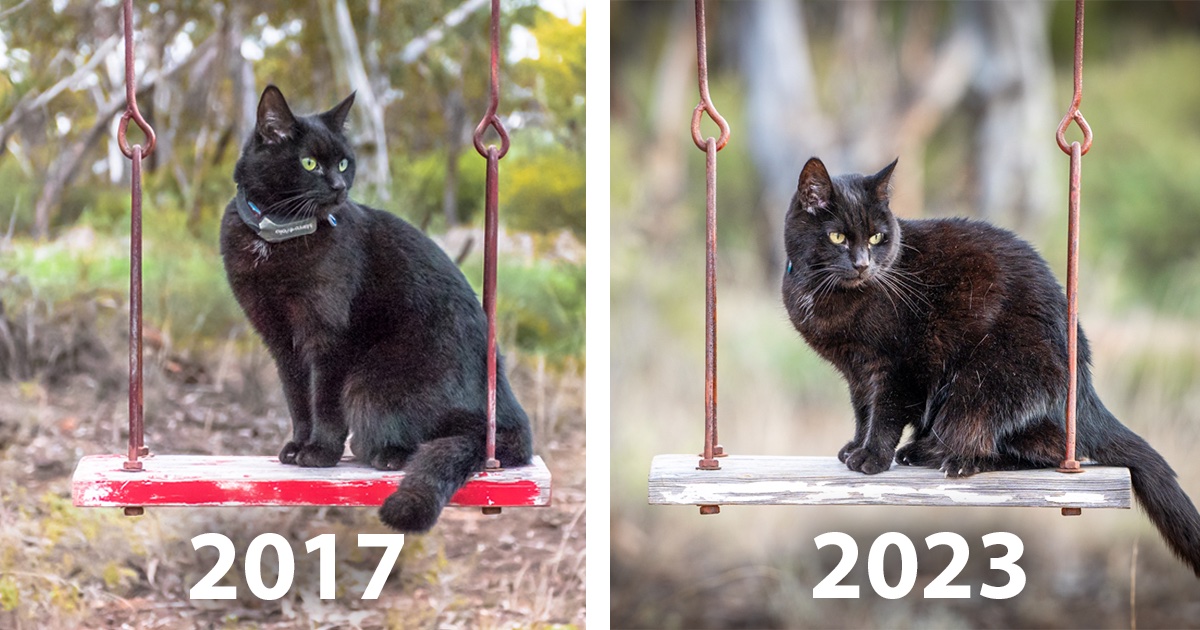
column 374, row 330
column 957, row 328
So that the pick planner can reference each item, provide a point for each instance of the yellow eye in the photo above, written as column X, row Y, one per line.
column 343, row 165
column 876, row 239
column 308, row 163
column 837, row 237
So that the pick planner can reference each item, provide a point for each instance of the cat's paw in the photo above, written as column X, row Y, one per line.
column 289, row 452
column 850, row 446
column 313, row 455
column 390, row 458
column 917, row 453
column 869, row 462
column 411, row 511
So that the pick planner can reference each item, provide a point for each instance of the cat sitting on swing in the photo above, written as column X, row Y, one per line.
column 959, row 329
column 375, row 332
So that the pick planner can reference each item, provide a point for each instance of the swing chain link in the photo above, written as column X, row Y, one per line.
column 705, row 104
column 1073, row 112
column 490, row 119
column 131, row 106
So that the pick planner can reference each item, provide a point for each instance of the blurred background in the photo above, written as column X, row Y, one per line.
column 420, row 71
column 968, row 95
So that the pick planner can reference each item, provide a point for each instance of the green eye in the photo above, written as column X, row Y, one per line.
column 308, row 163
column 876, row 239
column 343, row 165
column 837, row 237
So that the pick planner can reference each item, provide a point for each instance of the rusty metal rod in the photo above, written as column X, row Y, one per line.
column 136, row 408
column 710, row 146
column 710, row 309
column 1076, row 151
column 491, row 227
column 489, row 296
column 1070, row 464
column 137, row 444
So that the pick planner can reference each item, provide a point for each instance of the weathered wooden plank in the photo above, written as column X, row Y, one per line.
column 770, row 480
column 198, row 480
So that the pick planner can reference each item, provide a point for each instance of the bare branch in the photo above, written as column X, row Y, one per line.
column 422, row 42
column 9, row 11
column 34, row 100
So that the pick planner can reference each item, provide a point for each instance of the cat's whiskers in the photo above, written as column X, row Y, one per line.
column 893, row 280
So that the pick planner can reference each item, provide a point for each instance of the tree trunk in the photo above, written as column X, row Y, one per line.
column 59, row 176
column 455, row 113
column 367, row 102
column 784, row 122
column 1015, row 91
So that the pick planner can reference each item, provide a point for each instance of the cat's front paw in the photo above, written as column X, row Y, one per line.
column 869, row 462
column 313, row 455
column 850, row 446
column 917, row 453
column 289, row 452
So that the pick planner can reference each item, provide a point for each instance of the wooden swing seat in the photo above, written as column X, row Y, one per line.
column 203, row 480
column 774, row 480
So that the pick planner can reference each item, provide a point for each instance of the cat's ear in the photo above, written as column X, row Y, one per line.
column 335, row 118
column 275, row 120
column 882, row 180
column 814, row 188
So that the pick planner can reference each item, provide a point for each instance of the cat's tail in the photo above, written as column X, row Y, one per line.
column 1155, row 486
column 431, row 476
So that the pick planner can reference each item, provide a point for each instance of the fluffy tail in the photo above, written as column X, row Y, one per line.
column 1154, row 484
column 432, row 475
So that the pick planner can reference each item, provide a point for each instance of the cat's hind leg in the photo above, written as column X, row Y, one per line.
column 923, row 451
column 381, row 435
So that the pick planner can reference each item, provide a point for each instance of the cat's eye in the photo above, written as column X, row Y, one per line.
column 343, row 165
column 837, row 237
column 876, row 239
column 308, row 163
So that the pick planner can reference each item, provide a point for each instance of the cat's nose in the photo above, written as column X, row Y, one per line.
column 337, row 184
column 861, row 261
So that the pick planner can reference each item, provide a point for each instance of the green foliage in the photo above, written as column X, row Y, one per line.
column 557, row 75
column 545, row 191
column 1142, row 178
column 10, row 594
column 184, row 286
column 418, row 181
column 540, row 306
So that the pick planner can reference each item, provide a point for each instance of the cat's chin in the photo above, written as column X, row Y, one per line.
column 856, row 282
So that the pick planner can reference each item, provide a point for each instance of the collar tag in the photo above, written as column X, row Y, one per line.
column 267, row 229
column 272, row 232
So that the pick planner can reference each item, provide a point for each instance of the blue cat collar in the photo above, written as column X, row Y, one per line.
column 266, row 228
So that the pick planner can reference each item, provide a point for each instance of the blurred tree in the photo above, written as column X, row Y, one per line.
column 419, row 70
column 892, row 78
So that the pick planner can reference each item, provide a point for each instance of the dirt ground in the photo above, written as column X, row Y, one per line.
column 65, row 567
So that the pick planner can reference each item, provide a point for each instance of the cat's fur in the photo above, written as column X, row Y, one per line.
column 957, row 328
column 373, row 329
